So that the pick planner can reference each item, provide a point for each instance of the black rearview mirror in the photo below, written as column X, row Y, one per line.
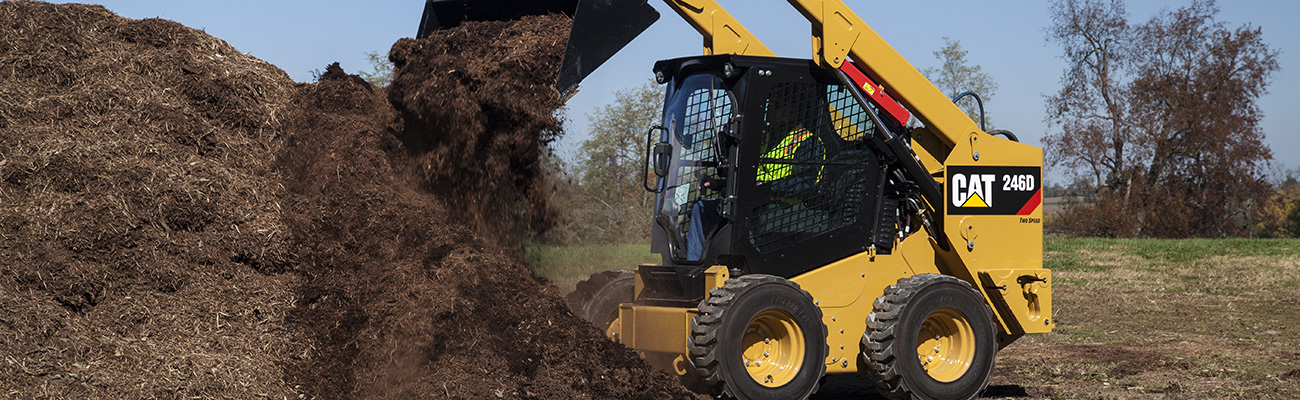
column 663, row 156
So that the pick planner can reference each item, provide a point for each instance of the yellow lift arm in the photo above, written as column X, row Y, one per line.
column 723, row 34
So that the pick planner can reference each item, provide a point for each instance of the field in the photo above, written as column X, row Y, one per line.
column 1136, row 319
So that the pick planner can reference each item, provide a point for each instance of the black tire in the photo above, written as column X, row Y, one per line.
column 912, row 307
column 597, row 298
column 736, row 313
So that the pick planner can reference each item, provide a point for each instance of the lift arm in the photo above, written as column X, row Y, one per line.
column 723, row 34
column 838, row 35
column 841, row 34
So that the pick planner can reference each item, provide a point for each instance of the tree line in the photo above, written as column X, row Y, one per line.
column 1160, row 118
column 601, row 191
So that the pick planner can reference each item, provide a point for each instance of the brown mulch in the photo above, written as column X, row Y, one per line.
column 476, row 102
column 142, row 244
column 182, row 220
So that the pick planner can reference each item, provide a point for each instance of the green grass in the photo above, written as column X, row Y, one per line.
column 568, row 265
column 1184, row 250
column 1172, row 250
column 1071, row 262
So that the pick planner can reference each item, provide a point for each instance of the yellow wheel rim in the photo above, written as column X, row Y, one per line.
column 773, row 348
column 946, row 345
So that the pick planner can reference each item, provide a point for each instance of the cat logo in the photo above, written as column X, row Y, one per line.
column 994, row 190
column 973, row 190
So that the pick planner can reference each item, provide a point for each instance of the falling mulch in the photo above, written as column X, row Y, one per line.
column 478, row 107
column 182, row 220
column 423, row 299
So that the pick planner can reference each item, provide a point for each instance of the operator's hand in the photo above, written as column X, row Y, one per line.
column 710, row 182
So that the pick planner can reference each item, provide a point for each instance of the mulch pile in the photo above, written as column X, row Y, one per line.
column 182, row 220
column 142, row 248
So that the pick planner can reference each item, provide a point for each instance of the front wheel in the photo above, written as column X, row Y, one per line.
column 597, row 298
column 758, row 337
column 930, row 337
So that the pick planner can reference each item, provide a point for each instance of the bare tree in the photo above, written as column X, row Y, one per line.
column 1090, row 107
column 1163, row 115
column 1194, row 105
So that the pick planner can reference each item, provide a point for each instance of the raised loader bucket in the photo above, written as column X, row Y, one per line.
column 442, row 14
column 600, row 27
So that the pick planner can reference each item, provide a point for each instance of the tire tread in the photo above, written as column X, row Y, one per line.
column 883, row 365
column 703, row 342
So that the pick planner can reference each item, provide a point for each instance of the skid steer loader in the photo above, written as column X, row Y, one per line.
column 805, row 229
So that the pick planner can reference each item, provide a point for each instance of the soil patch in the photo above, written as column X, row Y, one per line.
column 1292, row 375
column 1114, row 361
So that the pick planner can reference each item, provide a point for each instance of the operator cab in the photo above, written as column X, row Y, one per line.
column 765, row 165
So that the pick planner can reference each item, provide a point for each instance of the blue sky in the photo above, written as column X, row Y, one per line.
column 1005, row 37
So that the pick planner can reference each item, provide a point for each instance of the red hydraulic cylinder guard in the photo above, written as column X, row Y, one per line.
column 876, row 93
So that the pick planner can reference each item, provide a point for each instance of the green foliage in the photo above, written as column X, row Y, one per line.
column 604, row 201
column 610, row 160
column 955, row 77
column 381, row 72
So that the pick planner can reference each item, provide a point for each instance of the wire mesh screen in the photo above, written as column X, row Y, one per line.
column 813, row 161
column 706, row 111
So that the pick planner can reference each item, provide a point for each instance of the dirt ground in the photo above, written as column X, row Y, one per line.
column 1155, row 319
column 1205, row 319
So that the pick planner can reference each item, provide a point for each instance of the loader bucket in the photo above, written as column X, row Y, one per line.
column 443, row 14
column 600, row 27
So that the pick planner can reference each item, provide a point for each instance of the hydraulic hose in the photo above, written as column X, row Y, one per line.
column 979, row 101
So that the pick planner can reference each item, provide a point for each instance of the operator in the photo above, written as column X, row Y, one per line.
column 791, row 168
column 786, row 150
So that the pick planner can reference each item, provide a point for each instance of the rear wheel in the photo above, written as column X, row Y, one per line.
column 597, row 298
column 930, row 337
column 758, row 337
